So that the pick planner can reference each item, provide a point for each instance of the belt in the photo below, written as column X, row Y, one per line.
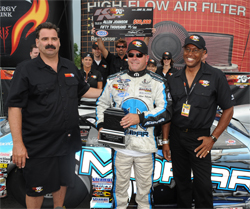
column 197, row 130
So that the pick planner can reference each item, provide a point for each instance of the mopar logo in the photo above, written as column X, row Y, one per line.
column 102, row 33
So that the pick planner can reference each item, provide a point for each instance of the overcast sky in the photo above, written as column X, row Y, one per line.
column 76, row 5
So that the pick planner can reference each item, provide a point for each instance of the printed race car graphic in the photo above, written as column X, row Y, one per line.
column 230, row 170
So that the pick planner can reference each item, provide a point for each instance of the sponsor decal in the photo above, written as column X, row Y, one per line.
column 37, row 189
column 230, row 142
column 137, row 43
column 123, row 80
column 145, row 81
column 116, row 12
column 4, row 154
column 102, row 180
column 102, row 33
column 3, row 165
column 101, row 193
column 100, row 200
column 145, row 89
column 69, row 75
column 204, row 83
column 119, row 87
column 154, row 122
column 138, row 133
column 6, row 144
column 195, row 38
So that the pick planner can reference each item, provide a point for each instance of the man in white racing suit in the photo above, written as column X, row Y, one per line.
column 146, row 98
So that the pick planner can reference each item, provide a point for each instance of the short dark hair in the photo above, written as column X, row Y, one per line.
column 47, row 25
column 121, row 41
column 32, row 47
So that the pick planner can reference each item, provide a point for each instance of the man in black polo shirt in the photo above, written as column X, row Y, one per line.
column 99, row 63
column 117, row 62
column 196, row 91
column 43, row 117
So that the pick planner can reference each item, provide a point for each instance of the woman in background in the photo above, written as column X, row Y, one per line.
column 167, row 63
column 152, row 65
column 91, row 76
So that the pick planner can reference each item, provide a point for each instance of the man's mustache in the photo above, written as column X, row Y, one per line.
column 50, row 46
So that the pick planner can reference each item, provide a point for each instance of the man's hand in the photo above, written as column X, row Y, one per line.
column 166, row 152
column 129, row 120
column 205, row 147
column 19, row 155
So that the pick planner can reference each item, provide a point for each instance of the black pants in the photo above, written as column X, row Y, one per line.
column 182, row 145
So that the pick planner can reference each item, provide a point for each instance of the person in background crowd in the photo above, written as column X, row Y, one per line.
column 91, row 75
column 43, row 117
column 196, row 90
column 99, row 62
column 34, row 51
column 152, row 65
column 167, row 63
column 117, row 62
column 145, row 111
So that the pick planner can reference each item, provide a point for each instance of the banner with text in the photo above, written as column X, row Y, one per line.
column 223, row 24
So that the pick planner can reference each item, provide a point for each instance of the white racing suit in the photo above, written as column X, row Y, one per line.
column 146, row 94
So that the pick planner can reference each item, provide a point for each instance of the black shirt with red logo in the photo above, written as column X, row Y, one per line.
column 209, row 89
column 93, row 77
column 49, row 102
column 103, row 68
column 116, row 64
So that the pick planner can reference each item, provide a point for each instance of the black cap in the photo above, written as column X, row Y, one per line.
column 95, row 45
column 196, row 40
column 152, row 61
column 87, row 54
column 167, row 54
column 138, row 45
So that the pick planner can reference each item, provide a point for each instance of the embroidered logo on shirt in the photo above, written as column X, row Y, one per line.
column 204, row 83
column 93, row 76
column 104, row 66
column 69, row 75
column 37, row 189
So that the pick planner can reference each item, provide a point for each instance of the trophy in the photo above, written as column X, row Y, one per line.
column 113, row 133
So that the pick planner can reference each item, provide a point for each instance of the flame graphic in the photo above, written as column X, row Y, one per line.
column 37, row 14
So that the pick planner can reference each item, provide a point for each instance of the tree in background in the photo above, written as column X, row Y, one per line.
column 77, row 57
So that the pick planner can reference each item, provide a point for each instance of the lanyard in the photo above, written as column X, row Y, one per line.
column 185, row 87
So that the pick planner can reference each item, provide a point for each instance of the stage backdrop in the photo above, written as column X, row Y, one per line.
column 224, row 24
column 18, row 20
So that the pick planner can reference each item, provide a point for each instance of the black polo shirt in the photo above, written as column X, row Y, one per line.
column 49, row 103
column 103, row 68
column 116, row 64
column 94, row 77
column 171, row 71
column 211, row 89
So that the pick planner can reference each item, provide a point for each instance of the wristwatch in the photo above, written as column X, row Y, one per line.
column 165, row 141
column 214, row 138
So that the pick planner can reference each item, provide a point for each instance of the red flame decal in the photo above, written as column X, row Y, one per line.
column 37, row 14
